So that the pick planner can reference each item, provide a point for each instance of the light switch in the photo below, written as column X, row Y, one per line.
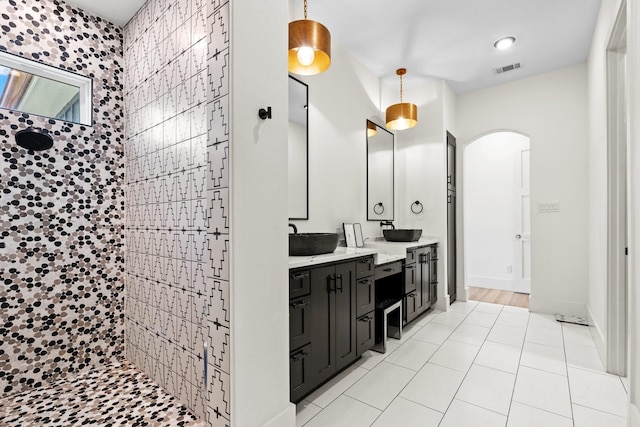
column 549, row 207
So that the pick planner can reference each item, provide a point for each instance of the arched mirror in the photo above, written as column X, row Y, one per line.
column 298, row 150
column 379, row 173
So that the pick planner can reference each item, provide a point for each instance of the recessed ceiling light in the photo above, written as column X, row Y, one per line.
column 504, row 43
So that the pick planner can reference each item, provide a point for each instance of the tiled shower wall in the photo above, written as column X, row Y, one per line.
column 177, row 232
column 61, row 210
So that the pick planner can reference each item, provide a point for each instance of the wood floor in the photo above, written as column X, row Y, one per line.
column 499, row 297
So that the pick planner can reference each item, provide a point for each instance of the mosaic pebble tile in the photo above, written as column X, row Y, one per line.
column 117, row 395
column 62, row 210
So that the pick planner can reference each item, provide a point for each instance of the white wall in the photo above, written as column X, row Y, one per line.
column 421, row 162
column 492, row 205
column 340, row 101
column 297, row 176
column 598, row 171
column 598, row 179
column 258, row 167
column 550, row 109
column 633, row 58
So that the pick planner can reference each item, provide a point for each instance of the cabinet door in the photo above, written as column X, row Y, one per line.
column 410, row 278
column 345, row 312
column 434, row 274
column 425, row 280
column 299, row 372
column 451, row 162
column 423, row 288
column 365, row 296
column 410, row 304
column 366, row 333
column 451, row 245
column 299, row 325
column 322, row 323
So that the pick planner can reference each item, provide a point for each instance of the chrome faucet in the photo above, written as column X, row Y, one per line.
column 387, row 223
column 295, row 229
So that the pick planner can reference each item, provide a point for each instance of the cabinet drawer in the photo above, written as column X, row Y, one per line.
column 365, row 296
column 300, row 372
column 299, row 283
column 299, row 322
column 410, row 278
column 364, row 267
column 389, row 269
column 365, row 333
column 411, row 256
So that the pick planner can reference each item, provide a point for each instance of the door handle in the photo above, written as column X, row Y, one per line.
column 299, row 304
column 338, row 288
column 518, row 236
column 300, row 355
column 331, row 279
column 299, row 276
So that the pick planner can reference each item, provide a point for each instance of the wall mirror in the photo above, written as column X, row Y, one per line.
column 298, row 150
column 35, row 88
column 379, row 173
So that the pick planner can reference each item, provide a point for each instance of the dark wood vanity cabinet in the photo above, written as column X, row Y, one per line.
column 325, row 323
column 420, row 281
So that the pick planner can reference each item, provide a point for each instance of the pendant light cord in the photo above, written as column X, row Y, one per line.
column 401, row 88
column 305, row 9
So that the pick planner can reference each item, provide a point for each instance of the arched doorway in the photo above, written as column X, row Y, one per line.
column 497, row 214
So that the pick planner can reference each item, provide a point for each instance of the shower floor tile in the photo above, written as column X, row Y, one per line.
column 116, row 395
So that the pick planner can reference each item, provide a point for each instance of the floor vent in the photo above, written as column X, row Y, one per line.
column 506, row 68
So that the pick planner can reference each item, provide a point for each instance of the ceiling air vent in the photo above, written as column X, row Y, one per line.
column 506, row 68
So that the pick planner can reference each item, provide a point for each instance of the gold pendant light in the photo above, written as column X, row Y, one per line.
column 309, row 46
column 372, row 129
column 403, row 115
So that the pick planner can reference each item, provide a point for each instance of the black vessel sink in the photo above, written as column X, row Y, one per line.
column 399, row 235
column 305, row 244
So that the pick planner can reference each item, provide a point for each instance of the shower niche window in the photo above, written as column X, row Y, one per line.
column 35, row 88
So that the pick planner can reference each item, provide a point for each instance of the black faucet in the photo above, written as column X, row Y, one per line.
column 295, row 229
column 388, row 223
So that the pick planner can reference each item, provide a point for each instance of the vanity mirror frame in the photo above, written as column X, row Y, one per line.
column 305, row 216
column 387, row 213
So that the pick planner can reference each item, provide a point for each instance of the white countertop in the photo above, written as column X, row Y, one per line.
column 399, row 248
column 382, row 258
column 382, row 250
column 341, row 253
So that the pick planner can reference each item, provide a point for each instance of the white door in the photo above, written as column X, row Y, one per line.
column 522, row 237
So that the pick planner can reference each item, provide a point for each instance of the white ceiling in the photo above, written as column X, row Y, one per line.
column 453, row 39
column 446, row 39
column 117, row 11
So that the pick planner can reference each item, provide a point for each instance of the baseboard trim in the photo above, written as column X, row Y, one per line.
column 443, row 303
column 286, row 418
column 598, row 336
column 492, row 283
column 634, row 415
column 552, row 306
column 463, row 295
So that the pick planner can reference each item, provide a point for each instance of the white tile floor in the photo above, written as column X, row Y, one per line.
column 477, row 365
